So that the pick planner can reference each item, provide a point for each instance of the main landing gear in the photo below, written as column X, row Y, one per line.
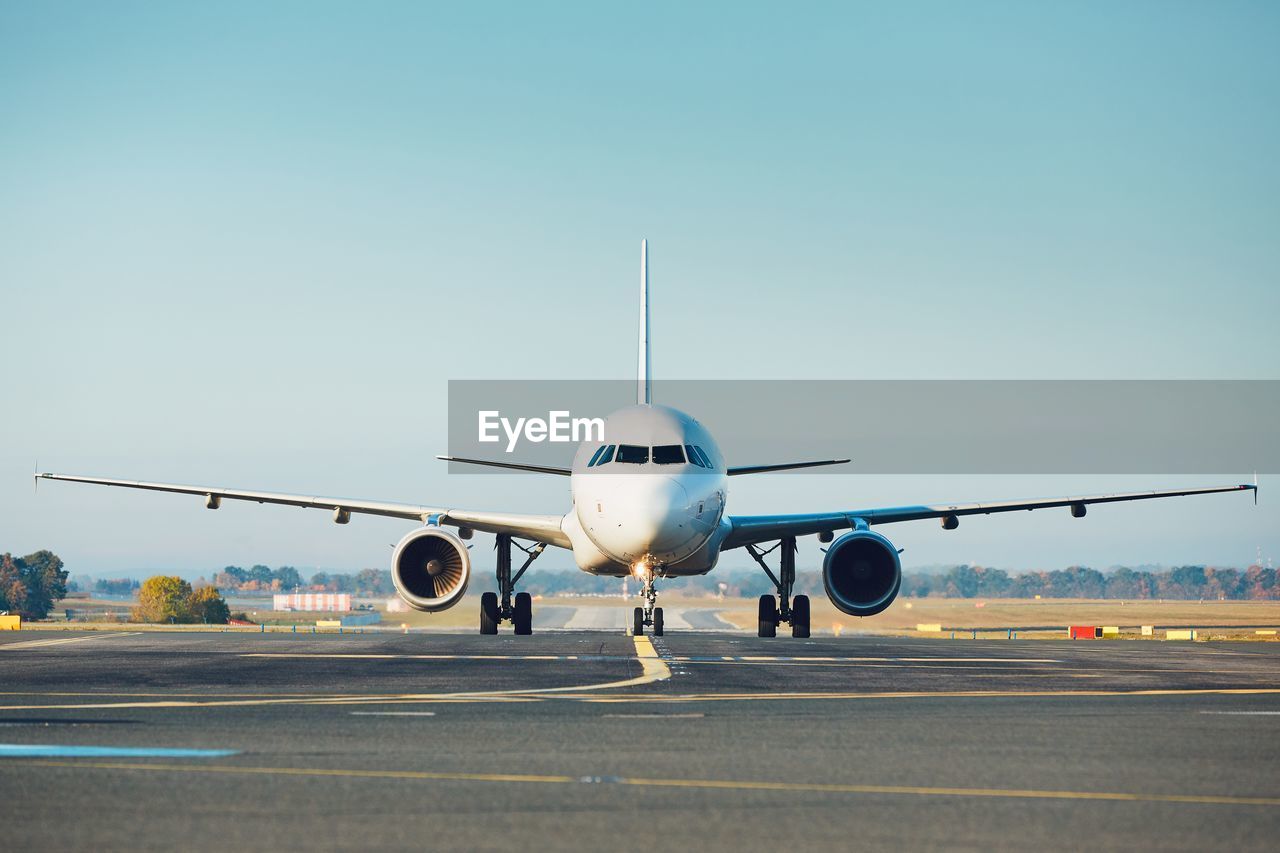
column 649, row 614
column 784, row 608
column 520, row 611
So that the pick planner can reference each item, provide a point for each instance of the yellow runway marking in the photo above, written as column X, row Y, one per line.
column 39, row 644
column 933, row 694
column 653, row 669
column 567, row 693
column 706, row 784
column 354, row 656
column 822, row 660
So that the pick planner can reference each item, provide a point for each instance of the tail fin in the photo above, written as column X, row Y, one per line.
column 644, row 384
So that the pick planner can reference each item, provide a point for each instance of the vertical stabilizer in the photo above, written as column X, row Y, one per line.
column 644, row 390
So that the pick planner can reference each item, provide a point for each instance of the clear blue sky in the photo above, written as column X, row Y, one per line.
column 247, row 244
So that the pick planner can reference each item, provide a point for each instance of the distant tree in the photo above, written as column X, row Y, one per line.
column 163, row 598
column 261, row 574
column 374, row 582
column 13, row 591
column 207, row 605
column 962, row 582
column 320, row 579
column 30, row 585
column 288, row 577
column 116, row 586
column 236, row 573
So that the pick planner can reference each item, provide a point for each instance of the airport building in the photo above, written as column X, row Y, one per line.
column 331, row 602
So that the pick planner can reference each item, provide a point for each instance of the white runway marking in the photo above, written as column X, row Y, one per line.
column 598, row 618
column 393, row 713
column 1245, row 713
column 40, row 644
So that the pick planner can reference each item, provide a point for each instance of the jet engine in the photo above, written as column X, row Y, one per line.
column 862, row 573
column 431, row 567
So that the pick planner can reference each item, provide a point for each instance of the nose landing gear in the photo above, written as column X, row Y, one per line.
column 520, row 612
column 784, row 608
column 650, row 614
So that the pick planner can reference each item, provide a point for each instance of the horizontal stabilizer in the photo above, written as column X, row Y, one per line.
column 784, row 466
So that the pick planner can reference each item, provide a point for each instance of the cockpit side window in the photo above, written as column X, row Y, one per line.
column 633, row 454
column 607, row 456
column 706, row 460
column 595, row 457
column 693, row 456
column 668, row 454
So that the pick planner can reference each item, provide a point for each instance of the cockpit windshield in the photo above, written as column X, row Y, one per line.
column 668, row 454
column 633, row 454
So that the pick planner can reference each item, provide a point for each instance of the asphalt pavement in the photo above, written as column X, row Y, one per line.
column 591, row 740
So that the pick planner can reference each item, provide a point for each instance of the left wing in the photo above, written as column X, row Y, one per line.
column 750, row 529
column 543, row 528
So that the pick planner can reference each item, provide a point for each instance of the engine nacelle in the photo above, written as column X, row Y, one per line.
column 862, row 573
column 431, row 568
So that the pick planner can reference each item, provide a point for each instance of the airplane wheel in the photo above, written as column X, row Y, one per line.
column 637, row 621
column 768, row 617
column 522, row 617
column 800, row 616
column 489, row 613
column 657, row 621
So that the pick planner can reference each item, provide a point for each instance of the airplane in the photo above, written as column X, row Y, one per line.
column 649, row 501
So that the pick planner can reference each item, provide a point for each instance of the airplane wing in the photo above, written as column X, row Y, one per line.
column 784, row 466
column 543, row 528
column 750, row 529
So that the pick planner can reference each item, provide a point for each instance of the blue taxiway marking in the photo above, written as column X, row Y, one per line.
column 36, row 750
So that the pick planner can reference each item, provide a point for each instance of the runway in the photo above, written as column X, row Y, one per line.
column 594, row 740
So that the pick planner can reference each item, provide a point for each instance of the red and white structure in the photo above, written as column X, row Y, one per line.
column 330, row 602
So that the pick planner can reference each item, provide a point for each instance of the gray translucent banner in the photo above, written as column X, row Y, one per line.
column 901, row 427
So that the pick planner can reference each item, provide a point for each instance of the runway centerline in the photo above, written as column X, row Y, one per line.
column 712, row 784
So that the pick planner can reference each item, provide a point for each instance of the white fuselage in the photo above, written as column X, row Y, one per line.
column 654, row 497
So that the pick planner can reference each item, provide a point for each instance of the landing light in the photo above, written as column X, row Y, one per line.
column 640, row 570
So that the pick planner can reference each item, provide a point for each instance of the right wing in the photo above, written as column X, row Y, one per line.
column 783, row 466
column 751, row 529
column 543, row 528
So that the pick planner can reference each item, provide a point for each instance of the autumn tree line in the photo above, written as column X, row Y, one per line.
column 966, row 581
column 1180, row 583
column 366, row 582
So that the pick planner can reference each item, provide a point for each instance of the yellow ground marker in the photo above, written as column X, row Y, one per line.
column 711, row 784
column 37, row 644
column 653, row 669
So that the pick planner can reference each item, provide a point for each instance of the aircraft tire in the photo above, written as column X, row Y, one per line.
column 768, row 617
column 489, row 613
column 800, row 616
column 637, row 622
column 657, row 621
column 522, row 617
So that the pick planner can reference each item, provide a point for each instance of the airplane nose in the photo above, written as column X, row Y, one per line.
column 647, row 516
column 662, row 518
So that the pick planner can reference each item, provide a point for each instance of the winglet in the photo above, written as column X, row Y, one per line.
column 1255, row 488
